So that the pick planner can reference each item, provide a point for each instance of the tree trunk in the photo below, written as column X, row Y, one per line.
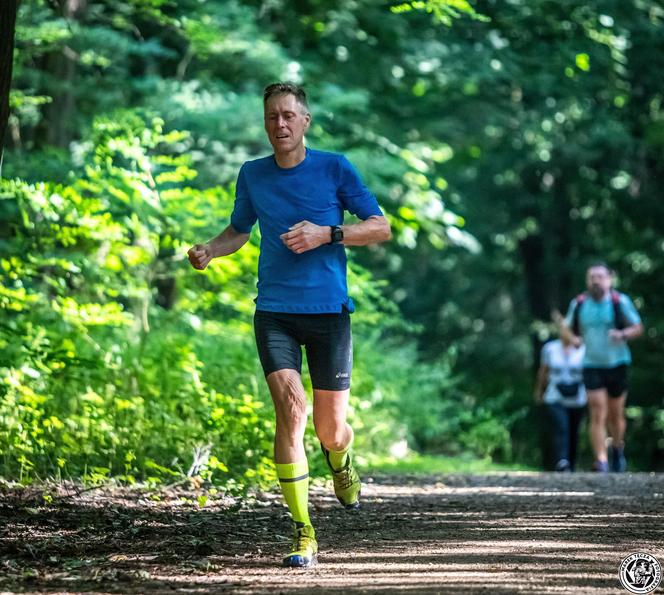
column 8, row 10
column 61, row 112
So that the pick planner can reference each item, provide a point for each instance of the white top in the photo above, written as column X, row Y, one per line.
column 565, row 366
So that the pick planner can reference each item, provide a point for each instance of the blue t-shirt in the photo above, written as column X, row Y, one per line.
column 596, row 319
column 319, row 190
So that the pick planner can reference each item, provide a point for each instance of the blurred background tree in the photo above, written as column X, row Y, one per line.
column 508, row 142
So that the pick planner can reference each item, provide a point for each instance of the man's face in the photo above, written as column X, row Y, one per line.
column 598, row 280
column 285, row 123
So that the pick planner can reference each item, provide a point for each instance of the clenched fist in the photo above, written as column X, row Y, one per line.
column 304, row 236
column 617, row 336
column 200, row 256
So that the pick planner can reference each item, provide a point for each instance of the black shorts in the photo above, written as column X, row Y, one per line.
column 614, row 380
column 326, row 337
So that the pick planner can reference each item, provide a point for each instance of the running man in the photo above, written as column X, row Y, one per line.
column 298, row 196
column 605, row 320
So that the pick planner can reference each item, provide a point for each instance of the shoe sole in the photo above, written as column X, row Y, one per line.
column 300, row 561
column 353, row 506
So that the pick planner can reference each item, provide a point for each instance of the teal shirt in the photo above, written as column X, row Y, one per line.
column 596, row 319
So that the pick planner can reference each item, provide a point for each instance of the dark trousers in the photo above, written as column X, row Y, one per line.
column 564, row 423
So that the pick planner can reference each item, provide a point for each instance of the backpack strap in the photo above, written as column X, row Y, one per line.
column 618, row 318
column 575, row 315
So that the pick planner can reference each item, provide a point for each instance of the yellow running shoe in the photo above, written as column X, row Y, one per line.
column 347, row 484
column 305, row 547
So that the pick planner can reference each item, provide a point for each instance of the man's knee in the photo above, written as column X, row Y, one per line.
column 598, row 414
column 290, row 402
column 616, row 416
column 598, row 417
column 333, row 436
column 597, row 410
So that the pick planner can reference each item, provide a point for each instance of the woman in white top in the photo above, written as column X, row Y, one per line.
column 560, row 388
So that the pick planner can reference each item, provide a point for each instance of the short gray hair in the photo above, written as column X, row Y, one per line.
column 286, row 88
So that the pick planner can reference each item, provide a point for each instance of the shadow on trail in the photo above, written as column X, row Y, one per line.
column 464, row 534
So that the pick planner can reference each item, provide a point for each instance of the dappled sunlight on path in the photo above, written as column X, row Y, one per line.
column 499, row 533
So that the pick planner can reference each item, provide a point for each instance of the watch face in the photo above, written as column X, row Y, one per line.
column 337, row 234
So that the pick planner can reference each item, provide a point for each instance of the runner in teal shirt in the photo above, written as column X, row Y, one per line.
column 596, row 320
column 604, row 320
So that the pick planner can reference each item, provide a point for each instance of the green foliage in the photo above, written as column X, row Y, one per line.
column 507, row 143
column 95, row 374
column 429, row 464
column 102, row 363
column 444, row 11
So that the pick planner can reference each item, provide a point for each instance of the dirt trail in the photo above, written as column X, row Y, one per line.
column 501, row 533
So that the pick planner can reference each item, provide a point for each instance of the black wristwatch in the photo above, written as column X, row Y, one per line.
column 336, row 234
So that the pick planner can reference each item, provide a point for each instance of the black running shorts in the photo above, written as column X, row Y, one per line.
column 614, row 380
column 326, row 338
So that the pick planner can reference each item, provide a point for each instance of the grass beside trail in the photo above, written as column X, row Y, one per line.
column 431, row 464
column 412, row 464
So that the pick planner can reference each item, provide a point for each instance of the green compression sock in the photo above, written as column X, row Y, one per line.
column 339, row 458
column 294, row 481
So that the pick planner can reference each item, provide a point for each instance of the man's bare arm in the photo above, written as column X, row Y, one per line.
column 227, row 242
column 370, row 231
column 541, row 381
column 629, row 332
column 568, row 335
column 306, row 236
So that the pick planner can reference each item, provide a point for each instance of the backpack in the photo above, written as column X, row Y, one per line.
column 618, row 318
